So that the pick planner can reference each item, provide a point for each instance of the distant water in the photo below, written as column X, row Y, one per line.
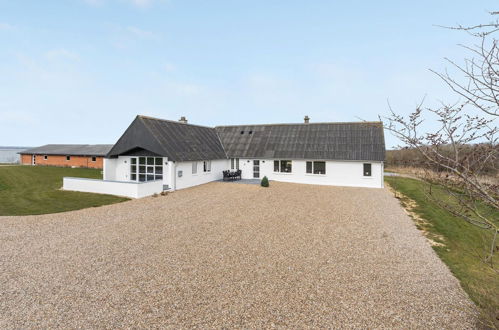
column 10, row 154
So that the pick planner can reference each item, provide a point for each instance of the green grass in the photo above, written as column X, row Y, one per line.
column 28, row 190
column 464, row 245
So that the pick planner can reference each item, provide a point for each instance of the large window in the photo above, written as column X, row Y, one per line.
column 144, row 169
column 283, row 166
column 316, row 167
column 367, row 169
column 207, row 166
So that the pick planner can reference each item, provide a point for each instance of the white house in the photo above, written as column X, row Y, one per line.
column 155, row 155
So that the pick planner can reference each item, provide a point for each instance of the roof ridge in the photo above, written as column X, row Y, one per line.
column 303, row 124
column 173, row 121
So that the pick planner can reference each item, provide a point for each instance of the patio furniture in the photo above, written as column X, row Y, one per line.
column 231, row 175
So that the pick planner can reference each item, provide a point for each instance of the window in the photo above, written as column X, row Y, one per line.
column 283, row 166
column 144, row 169
column 367, row 169
column 194, row 167
column 316, row 167
column 309, row 167
column 94, row 159
column 45, row 157
column 68, row 157
column 207, row 166
column 234, row 163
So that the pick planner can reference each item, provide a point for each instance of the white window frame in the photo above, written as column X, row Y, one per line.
column 157, row 162
column 234, row 163
column 313, row 167
column 194, row 167
column 68, row 158
column 370, row 172
column 207, row 166
column 280, row 166
column 45, row 157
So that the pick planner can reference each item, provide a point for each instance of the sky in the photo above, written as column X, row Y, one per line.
column 79, row 71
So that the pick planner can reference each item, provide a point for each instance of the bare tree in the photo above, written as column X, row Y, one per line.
column 465, row 141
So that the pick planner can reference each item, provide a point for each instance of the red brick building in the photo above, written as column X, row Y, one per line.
column 66, row 155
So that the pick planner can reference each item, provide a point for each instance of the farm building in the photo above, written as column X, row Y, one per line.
column 10, row 155
column 66, row 155
column 156, row 155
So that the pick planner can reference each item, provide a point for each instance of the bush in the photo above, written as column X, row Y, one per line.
column 265, row 182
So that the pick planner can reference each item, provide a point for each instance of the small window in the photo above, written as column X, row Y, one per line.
column 237, row 163
column 94, row 159
column 68, row 157
column 207, row 166
column 242, row 132
column 194, row 167
column 276, row 166
column 250, row 132
column 232, row 163
column 309, row 167
column 286, row 166
column 367, row 169
column 319, row 167
column 45, row 157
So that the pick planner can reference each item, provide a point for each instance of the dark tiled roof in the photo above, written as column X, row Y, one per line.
column 335, row 141
column 172, row 139
column 70, row 149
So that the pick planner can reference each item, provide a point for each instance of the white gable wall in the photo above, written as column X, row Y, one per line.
column 338, row 173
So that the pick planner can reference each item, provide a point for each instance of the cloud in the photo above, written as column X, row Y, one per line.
column 61, row 53
column 140, row 33
column 5, row 26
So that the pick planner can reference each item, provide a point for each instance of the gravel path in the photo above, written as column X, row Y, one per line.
column 228, row 255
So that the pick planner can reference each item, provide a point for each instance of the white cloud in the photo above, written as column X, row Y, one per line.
column 143, row 34
column 61, row 53
column 6, row 26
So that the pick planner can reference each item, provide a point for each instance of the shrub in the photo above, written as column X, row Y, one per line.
column 265, row 182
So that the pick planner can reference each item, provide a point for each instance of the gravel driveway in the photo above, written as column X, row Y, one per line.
column 228, row 255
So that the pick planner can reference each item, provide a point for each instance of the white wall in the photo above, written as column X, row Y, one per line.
column 189, row 180
column 338, row 173
column 127, row 189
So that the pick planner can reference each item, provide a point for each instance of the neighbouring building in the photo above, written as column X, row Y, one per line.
column 156, row 154
column 66, row 155
column 10, row 155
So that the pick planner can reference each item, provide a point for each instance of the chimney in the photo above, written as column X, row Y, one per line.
column 183, row 120
column 306, row 119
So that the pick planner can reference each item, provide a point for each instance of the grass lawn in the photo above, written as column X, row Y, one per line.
column 462, row 246
column 28, row 190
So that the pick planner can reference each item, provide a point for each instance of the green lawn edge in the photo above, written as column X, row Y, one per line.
column 33, row 190
column 463, row 246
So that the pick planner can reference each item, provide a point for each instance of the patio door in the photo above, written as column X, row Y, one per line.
column 256, row 169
